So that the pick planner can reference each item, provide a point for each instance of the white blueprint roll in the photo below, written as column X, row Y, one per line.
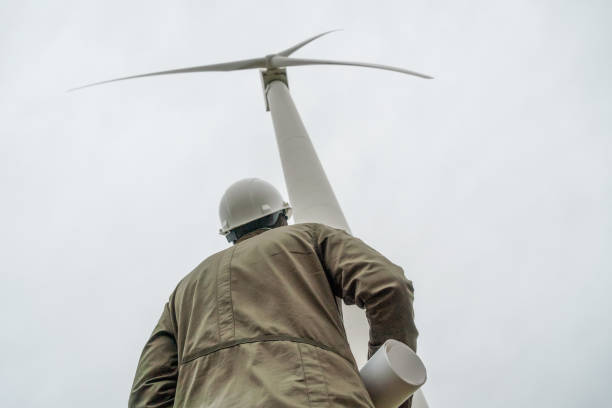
column 393, row 374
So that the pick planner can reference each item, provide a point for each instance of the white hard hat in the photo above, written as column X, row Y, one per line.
column 248, row 200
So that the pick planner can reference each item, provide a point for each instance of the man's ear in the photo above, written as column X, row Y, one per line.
column 282, row 220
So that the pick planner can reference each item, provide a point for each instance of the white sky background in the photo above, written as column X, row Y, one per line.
column 490, row 185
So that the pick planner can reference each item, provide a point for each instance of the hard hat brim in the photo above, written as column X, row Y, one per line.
column 286, row 209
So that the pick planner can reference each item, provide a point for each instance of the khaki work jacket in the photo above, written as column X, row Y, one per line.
column 257, row 325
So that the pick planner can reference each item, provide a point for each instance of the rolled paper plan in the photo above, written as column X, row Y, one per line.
column 393, row 374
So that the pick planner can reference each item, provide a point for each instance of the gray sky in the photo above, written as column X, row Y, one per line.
column 490, row 185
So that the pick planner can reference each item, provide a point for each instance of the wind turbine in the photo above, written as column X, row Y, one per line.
column 310, row 193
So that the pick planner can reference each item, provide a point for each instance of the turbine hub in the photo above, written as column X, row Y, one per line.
column 269, row 61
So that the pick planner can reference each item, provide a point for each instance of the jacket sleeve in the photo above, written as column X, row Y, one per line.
column 362, row 276
column 157, row 372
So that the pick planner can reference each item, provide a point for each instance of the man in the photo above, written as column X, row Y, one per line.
column 258, row 325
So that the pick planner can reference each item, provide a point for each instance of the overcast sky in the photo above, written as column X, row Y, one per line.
column 490, row 185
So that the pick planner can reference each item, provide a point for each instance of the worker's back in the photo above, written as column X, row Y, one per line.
column 257, row 325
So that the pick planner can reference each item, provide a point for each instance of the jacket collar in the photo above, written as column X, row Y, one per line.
column 252, row 234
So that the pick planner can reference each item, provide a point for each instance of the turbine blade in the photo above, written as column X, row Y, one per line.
column 296, row 47
column 278, row 61
column 224, row 66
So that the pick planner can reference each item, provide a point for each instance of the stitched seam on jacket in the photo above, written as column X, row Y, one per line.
column 225, row 312
column 260, row 339
column 323, row 376
column 230, row 293
column 217, row 300
column 304, row 374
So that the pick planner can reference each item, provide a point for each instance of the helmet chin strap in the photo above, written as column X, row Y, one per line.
column 266, row 222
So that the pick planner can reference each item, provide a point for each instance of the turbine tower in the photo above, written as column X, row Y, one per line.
column 310, row 193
